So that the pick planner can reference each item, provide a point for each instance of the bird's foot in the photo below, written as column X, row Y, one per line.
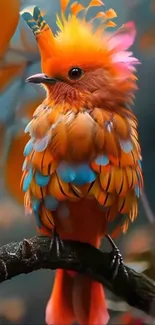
column 117, row 260
column 56, row 245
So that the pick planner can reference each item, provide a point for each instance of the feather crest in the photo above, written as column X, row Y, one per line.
column 95, row 3
column 64, row 4
column 76, row 8
column 112, row 48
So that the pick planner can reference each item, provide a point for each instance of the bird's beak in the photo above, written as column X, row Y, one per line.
column 41, row 78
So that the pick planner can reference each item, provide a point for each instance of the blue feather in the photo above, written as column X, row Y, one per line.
column 28, row 148
column 137, row 190
column 51, row 203
column 35, row 207
column 102, row 160
column 84, row 175
column 66, row 172
column 30, row 21
column 41, row 180
column 126, row 146
column 27, row 180
column 38, row 18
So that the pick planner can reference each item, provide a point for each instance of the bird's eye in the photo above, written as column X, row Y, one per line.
column 75, row 73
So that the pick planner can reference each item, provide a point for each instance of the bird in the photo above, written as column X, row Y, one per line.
column 82, row 173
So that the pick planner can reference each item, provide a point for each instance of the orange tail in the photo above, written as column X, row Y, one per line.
column 75, row 297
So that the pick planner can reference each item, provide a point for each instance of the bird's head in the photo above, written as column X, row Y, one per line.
column 84, row 63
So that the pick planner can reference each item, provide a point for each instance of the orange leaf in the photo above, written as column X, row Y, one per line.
column 111, row 24
column 95, row 3
column 76, row 8
column 111, row 14
column 64, row 4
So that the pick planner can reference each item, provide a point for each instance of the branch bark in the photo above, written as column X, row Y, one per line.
column 34, row 254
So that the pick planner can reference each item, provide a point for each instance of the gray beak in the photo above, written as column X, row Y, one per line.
column 41, row 78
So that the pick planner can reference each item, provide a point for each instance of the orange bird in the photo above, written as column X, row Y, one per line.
column 82, row 169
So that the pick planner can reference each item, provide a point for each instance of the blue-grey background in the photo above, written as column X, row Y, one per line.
column 23, row 299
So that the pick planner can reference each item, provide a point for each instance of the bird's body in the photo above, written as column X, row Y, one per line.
column 83, row 164
column 82, row 169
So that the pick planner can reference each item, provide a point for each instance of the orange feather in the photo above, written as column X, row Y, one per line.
column 64, row 4
column 42, row 161
column 128, row 159
column 99, row 139
column 112, row 212
column 103, row 197
column 125, row 226
column 107, row 179
column 76, row 8
column 134, row 210
column 121, row 126
column 80, row 136
column 60, row 190
column 100, row 14
column 129, row 175
column 46, row 218
column 121, row 181
column 124, row 203
column 27, row 202
column 37, row 191
column 111, row 144
column 56, row 189
column 95, row 3
column 111, row 24
column 59, row 141
column 110, row 14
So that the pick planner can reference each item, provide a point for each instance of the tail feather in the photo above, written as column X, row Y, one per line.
column 76, row 298
column 59, row 310
column 89, row 302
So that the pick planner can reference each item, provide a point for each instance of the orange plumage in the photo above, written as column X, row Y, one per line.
column 82, row 170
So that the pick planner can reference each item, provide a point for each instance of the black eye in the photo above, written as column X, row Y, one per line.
column 75, row 73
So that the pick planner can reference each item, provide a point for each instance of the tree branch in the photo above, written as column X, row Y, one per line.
column 34, row 254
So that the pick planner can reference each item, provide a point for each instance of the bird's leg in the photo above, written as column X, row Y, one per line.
column 117, row 259
column 56, row 245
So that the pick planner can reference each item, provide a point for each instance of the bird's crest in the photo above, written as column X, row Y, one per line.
column 76, row 8
column 77, row 38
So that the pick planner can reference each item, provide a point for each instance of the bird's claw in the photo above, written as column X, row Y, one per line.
column 56, row 245
column 117, row 260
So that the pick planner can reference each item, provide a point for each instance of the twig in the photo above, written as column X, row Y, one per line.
column 34, row 254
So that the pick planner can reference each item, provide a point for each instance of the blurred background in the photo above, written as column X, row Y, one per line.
column 23, row 299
